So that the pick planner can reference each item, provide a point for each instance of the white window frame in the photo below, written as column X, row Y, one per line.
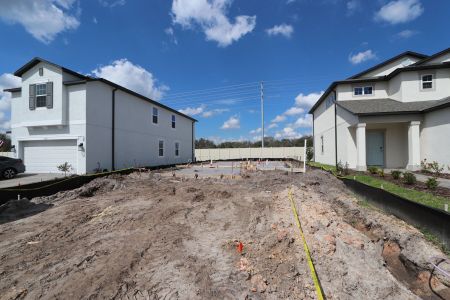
column 159, row 148
column 41, row 95
column 155, row 115
column 363, row 90
column 177, row 149
column 173, row 122
column 358, row 87
column 428, row 81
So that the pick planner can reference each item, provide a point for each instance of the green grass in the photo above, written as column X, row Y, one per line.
column 435, row 240
column 410, row 194
column 323, row 166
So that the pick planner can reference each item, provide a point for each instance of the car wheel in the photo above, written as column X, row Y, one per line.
column 9, row 173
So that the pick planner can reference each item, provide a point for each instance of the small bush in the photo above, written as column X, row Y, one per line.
column 396, row 174
column 65, row 167
column 432, row 183
column 433, row 167
column 373, row 170
column 409, row 178
column 339, row 168
column 381, row 172
column 309, row 154
column 346, row 169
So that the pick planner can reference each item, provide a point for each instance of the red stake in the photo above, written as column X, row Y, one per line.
column 240, row 247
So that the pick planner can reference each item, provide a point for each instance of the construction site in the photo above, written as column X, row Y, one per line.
column 227, row 230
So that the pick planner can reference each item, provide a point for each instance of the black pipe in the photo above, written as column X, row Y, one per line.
column 335, row 128
column 193, row 142
column 113, row 129
column 314, row 141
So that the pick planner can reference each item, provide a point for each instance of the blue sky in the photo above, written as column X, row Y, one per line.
column 207, row 57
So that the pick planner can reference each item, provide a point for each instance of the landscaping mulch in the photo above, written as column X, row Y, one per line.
column 426, row 173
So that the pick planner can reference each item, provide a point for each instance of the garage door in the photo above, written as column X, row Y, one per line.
column 45, row 156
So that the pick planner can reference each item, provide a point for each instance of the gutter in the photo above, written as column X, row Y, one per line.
column 113, row 129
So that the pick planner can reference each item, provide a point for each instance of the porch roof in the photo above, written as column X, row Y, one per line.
column 390, row 106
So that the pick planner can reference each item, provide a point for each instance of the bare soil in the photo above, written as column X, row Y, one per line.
column 155, row 236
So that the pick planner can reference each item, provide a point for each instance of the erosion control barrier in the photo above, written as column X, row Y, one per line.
column 421, row 216
column 51, row 187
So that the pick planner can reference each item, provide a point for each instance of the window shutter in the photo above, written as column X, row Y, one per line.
column 49, row 99
column 32, row 96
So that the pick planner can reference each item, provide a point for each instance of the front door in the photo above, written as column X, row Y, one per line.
column 375, row 148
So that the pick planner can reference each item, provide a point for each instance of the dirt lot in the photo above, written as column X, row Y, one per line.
column 155, row 236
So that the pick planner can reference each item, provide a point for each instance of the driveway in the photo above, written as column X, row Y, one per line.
column 27, row 178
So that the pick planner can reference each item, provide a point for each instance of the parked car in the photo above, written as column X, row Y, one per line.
column 10, row 167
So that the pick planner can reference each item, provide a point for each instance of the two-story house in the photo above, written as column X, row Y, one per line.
column 59, row 116
column 392, row 115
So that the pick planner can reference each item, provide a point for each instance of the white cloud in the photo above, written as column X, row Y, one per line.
column 361, row 57
column 214, row 112
column 273, row 125
column 307, row 101
column 6, row 81
column 406, row 34
column 133, row 77
column 400, row 11
column 290, row 1
column 232, row 123
column 192, row 111
column 353, row 6
column 279, row 118
column 256, row 131
column 112, row 3
column 294, row 111
column 94, row 19
column 43, row 19
column 287, row 133
column 171, row 34
column 211, row 17
column 303, row 122
column 283, row 29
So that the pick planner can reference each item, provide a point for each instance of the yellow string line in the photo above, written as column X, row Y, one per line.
column 305, row 247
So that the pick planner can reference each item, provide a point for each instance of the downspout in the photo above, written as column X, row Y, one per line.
column 113, row 129
column 314, row 140
column 335, row 128
column 193, row 142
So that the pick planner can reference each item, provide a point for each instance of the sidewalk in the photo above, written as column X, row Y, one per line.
column 442, row 181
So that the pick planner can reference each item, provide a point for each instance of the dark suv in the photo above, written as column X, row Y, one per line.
column 9, row 167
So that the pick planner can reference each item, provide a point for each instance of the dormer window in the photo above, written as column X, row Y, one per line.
column 427, row 81
column 363, row 90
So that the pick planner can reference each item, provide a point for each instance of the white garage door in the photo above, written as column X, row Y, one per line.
column 45, row 156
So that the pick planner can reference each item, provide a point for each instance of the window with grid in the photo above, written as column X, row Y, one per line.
column 155, row 115
column 41, row 95
column 427, row 82
column 177, row 149
column 161, row 148
column 173, row 121
column 358, row 91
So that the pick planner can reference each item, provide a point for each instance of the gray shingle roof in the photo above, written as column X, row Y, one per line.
column 390, row 106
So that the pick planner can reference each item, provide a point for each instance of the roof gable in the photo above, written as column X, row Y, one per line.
column 385, row 68
column 440, row 57
column 38, row 60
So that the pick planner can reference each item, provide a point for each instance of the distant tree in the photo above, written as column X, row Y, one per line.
column 6, row 147
column 204, row 144
column 268, row 142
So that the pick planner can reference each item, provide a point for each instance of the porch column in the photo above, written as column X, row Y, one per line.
column 414, row 146
column 361, row 147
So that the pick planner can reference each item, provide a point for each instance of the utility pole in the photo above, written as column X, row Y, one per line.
column 262, row 114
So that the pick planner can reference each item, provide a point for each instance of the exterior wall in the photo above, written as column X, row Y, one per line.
column 411, row 85
column 324, row 127
column 249, row 153
column 346, row 141
column 395, row 88
column 65, row 121
column 389, row 68
column 345, row 91
column 435, row 141
column 136, row 137
column 439, row 59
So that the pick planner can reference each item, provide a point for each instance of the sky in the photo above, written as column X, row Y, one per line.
column 207, row 58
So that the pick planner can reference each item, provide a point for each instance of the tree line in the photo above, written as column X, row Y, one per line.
column 203, row 143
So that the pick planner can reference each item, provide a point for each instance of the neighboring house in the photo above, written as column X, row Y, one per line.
column 393, row 115
column 58, row 116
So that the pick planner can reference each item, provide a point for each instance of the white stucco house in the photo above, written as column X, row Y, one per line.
column 392, row 115
column 59, row 115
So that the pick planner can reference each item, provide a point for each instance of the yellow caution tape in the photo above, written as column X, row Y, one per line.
column 305, row 246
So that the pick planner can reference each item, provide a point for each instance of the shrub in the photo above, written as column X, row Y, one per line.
column 432, row 167
column 373, row 170
column 432, row 183
column 65, row 167
column 339, row 168
column 309, row 154
column 409, row 178
column 346, row 169
column 396, row 174
column 381, row 172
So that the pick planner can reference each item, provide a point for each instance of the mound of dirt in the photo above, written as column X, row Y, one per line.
column 17, row 209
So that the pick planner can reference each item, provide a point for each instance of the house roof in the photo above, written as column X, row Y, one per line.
column 420, row 62
column 386, row 62
column 84, row 79
column 390, row 106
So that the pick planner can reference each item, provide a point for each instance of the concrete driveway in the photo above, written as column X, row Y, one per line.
column 27, row 178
